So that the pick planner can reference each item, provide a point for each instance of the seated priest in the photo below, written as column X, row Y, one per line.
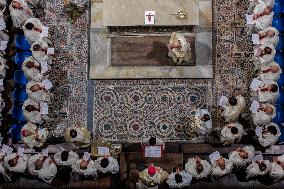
column 258, row 168
column 32, row 112
column 43, row 167
column 267, row 91
column 5, row 150
column 38, row 91
column 179, row 179
column 16, row 162
column 66, row 158
column 270, row 71
column 179, row 48
column 33, row 136
column 261, row 18
column 254, row 3
column 235, row 106
column 41, row 51
column 268, row 135
column 152, row 176
column 85, row 166
column 242, row 156
column 277, row 168
column 203, row 118
column 34, row 70
column 78, row 136
column 107, row 165
column 269, row 35
column 263, row 55
column 198, row 168
column 3, row 66
column 265, row 113
column 232, row 133
column 152, row 141
column 220, row 165
column 19, row 12
column 33, row 30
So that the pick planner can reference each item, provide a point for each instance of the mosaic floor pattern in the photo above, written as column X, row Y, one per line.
column 131, row 109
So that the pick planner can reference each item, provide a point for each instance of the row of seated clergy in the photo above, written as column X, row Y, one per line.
column 198, row 169
column 45, row 167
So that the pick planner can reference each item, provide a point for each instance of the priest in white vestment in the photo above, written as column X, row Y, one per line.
column 271, row 71
column 40, row 51
column 16, row 163
column 43, row 167
column 233, row 109
column 269, row 35
column 32, row 112
column 264, row 115
column 20, row 12
column 152, row 141
column 198, row 168
column 242, row 156
column 258, row 168
column 268, row 135
column 85, row 167
column 78, row 136
column 277, row 168
column 38, row 92
column 267, row 92
column 179, row 179
column 34, row 70
column 220, row 165
column 107, row 165
column 32, row 29
column 179, row 48
column 254, row 3
column 32, row 136
column 232, row 133
column 66, row 158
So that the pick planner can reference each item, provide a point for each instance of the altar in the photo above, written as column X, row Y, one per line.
column 124, row 46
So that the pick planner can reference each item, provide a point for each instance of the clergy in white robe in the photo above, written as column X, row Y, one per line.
column 269, row 35
column 85, row 168
column 179, row 48
column 258, row 168
column 263, row 55
column 269, row 134
column 232, row 133
column 254, row 3
column 40, row 50
column 34, row 70
column 242, row 156
column 32, row 29
column 233, row 109
column 37, row 91
column 16, row 163
column 267, row 92
column 107, row 165
column 32, row 136
column 220, row 165
column 179, row 179
column 152, row 176
column 66, row 158
column 266, row 112
column 43, row 167
column 19, row 12
column 277, row 168
column 262, row 18
column 198, row 168
column 270, row 71
column 152, row 141
column 204, row 120
column 4, row 36
column 78, row 136
column 3, row 66
column 2, row 169
column 32, row 112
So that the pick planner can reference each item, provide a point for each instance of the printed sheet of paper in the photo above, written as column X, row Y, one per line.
column 3, row 45
column 42, row 133
column 2, row 25
column 255, row 84
column 21, row 151
column 258, row 131
column 47, row 84
column 149, row 17
column 1, row 82
column 50, row 51
column 223, row 101
column 153, row 151
column 249, row 19
column 44, row 32
column 255, row 39
column 43, row 67
column 44, row 152
column 254, row 106
column 86, row 156
column 103, row 151
column 214, row 156
column 43, row 108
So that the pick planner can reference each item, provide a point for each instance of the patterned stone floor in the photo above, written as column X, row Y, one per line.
column 118, row 102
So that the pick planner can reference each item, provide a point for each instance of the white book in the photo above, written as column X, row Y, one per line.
column 254, row 106
column 223, row 101
column 255, row 39
column 249, row 18
column 103, row 151
column 50, row 51
column 47, row 84
column 43, row 108
column 44, row 32
column 43, row 67
column 255, row 84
